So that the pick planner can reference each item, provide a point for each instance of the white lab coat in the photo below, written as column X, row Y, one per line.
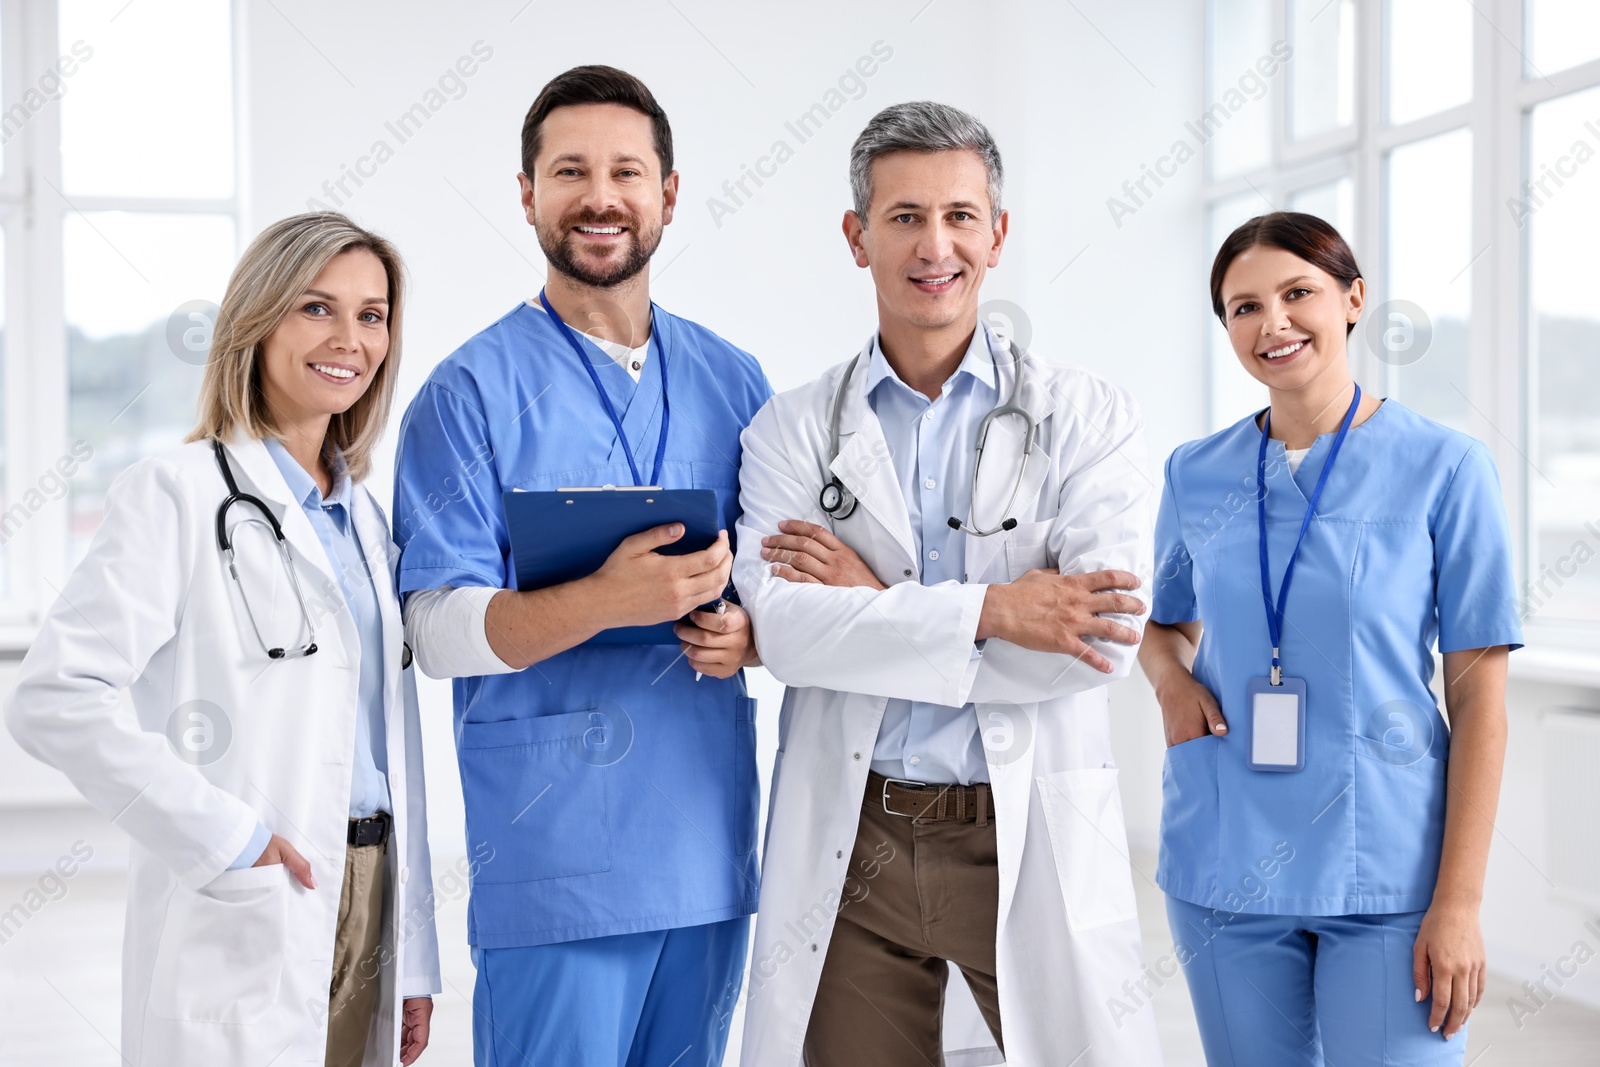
column 1067, row 937
column 228, row 967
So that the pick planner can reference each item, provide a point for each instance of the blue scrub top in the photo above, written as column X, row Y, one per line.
column 607, row 792
column 1409, row 547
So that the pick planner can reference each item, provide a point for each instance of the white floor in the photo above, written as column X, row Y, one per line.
column 59, row 995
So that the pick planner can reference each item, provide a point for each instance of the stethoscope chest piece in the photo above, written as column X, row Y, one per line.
column 837, row 501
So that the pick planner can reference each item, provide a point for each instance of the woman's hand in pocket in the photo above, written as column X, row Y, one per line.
column 279, row 850
column 1188, row 709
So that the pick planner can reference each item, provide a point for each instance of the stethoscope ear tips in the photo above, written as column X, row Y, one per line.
column 275, row 653
column 953, row 522
column 1009, row 524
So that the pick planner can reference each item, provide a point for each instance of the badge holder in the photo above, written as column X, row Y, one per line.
column 1278, row 704
column 1277, row 724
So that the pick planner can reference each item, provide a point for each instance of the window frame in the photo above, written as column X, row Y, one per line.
column 33, row 209
column 1500, row 391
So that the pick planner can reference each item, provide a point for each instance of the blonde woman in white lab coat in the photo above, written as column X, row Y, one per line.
column 270, row 705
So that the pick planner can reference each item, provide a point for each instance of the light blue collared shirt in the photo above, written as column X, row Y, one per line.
column 933, row 442
column 331, row 518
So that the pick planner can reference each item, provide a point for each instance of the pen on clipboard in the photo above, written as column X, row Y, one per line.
column 722, row 609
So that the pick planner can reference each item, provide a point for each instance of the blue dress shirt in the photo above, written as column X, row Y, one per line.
column 335, row 526
column 933, row 442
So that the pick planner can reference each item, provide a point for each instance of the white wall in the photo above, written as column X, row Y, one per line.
column 1080, row 97
column 1072, row 116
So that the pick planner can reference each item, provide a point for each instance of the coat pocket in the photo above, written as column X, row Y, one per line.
column 1028, row 548
column 536, row 795
column 1083, row 812
column 221, row 954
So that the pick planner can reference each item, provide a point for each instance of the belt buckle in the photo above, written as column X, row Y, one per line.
column 908, row 783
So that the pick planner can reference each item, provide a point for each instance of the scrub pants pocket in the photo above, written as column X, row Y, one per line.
column 1306, row 991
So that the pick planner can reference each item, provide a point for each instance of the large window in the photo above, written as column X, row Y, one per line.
column 118, row 222
column 1456, row 145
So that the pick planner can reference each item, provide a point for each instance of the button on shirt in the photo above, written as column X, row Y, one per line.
column 331, row 518
column 932, row 443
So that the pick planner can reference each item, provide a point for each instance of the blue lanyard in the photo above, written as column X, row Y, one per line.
column 594, row 376
column 1275, row 614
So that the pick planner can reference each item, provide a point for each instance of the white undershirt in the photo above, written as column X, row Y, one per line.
column 447, row 627
column 1296, row 455
column 447, row 633
column 629, row 359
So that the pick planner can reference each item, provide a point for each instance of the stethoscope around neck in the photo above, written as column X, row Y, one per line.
column 839, row 503
column 225, row 544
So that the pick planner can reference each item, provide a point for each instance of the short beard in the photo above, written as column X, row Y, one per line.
column 558, row 246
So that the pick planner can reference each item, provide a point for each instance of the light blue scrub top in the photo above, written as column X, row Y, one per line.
column 1409, row 547
column 607, row 792
column 932, row 443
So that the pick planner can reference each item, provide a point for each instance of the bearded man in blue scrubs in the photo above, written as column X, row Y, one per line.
column 611, row 792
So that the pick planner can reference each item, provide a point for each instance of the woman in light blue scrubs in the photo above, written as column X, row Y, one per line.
column 1324, row 833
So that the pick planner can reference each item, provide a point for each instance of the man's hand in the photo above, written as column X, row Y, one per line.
column 416, row 1016
column 279, row 850
column 806, row 552
column 718, row 643
column 639, row 586
column 1047, row 611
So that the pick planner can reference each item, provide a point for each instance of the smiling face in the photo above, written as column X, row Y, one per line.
column 1288, row 319
column 327, row 350
column 929, row 238
column 597, row 199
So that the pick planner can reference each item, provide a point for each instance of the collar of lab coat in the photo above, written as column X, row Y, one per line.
column 865, row 466
column 257, row 474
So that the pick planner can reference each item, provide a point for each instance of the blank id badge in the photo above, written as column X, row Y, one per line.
column 1277, row 724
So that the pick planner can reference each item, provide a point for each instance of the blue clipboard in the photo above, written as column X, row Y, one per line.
column 565, row 535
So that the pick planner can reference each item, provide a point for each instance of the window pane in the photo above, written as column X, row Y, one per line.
column 1332, row 202
column 1322, row 77
column 1234, row 394
column 1238, row 118
column 1419, row 330
column 1429, row 60
column 151, row 113
column 1563, row 225
column 1561, row 34
column 132, row 390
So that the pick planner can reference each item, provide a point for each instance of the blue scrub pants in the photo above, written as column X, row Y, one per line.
column 1292, row 990
column 633, row 1000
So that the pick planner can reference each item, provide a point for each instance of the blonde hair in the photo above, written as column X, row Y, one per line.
column 280, row 264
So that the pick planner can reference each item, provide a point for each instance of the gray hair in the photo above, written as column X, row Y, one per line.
column 921, row 126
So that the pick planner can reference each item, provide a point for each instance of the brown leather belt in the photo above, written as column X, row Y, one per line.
column 925, row 802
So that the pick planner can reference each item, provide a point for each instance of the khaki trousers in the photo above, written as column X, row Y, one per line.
column 354, row 992
column 920, row 895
